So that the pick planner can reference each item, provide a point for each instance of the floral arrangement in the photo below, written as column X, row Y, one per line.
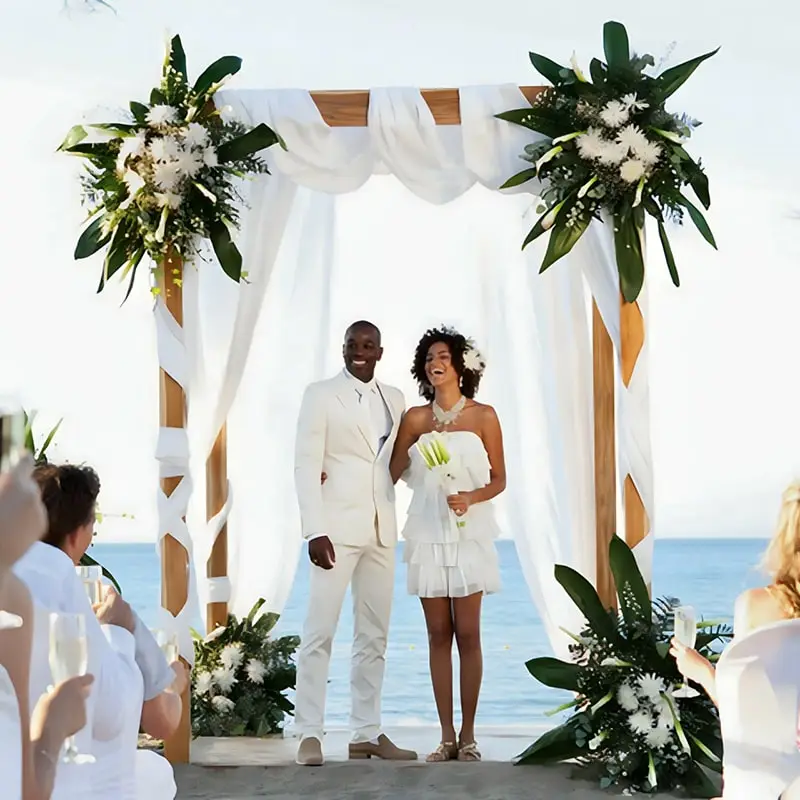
column 626, row 720
column 612, row 150
column 241, row 676
column 166, row 177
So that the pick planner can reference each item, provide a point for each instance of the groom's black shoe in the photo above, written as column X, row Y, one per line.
column 385, row 749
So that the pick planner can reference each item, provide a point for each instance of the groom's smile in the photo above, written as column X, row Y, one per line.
column 362, row 350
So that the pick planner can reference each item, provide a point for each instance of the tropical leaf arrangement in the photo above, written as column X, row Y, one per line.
column 40, row 457
column 611, row 151
column 625, row 720
column 165, row 178
column 241, row 677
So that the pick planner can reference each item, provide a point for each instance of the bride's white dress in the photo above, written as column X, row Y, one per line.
column 10, row 739
column 443, row 558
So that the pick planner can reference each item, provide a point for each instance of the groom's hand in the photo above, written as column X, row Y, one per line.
column 321, row 552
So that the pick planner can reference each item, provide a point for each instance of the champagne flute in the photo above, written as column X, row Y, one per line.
column 12, row 439
column 69, row 658
column 92, row 577
column 686, row 634
column 168, row 642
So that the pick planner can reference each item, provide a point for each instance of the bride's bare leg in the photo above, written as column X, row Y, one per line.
column 439, row 621
column 467, row 615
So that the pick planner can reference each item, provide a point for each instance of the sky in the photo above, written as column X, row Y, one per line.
column 724, row 365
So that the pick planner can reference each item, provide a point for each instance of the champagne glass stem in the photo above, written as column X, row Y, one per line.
column 71, row 751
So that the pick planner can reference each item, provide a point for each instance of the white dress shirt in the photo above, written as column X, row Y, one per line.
column 377, row 410
column 116, row 694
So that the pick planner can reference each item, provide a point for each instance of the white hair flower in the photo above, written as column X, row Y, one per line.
column 473, row 360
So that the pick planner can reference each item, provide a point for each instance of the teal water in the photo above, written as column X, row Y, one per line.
column 705, row 573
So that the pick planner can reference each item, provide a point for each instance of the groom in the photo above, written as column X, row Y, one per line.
column 345, row 434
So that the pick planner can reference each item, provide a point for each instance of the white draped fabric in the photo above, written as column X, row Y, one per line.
column 251, row 356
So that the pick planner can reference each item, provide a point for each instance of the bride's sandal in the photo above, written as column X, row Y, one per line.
column 445, row 751
column 469, row 752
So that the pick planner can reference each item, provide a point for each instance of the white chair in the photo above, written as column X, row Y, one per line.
column 758, row 692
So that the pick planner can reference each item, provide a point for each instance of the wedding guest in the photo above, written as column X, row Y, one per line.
column 29, row 745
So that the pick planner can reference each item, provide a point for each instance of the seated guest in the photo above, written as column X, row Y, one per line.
column 29, row 747
column 756, row 684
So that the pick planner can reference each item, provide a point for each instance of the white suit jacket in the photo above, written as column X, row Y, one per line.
column 334, row 437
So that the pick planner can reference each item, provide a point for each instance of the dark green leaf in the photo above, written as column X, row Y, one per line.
column 698, row 219
column 699, row 784
column 177, row 56
column 157, row 98
column 534, row 121
column 92, row 239
column 536, row 231
column 670, row 259
column 77, row 133
column 557, row 744
column 120, row 128
column 139, row 111
column 699, row 184
column 630, row 259
column 89, row 149
column 554, row 673
column 615, row 44
column 584, row 596
column 563, row 238
column 230, row 259
column 598, row 72
column 49, row 439
column 259, row 138
column 131, row 267
column 29, row 443
column 118, row 253
column 547, row 68
column 221, row 68
column 669, row 81
column 520, row 178
column 634, row 599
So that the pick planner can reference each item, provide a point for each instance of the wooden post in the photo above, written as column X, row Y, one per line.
column 174, row 558
column 216, row 496
column 605, row 467
column 632, row 340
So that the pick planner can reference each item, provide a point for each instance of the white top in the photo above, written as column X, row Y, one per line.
column 10, row 739
column 116, row 693
column 380, row 420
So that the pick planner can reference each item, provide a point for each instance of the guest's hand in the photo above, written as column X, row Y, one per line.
column 181, row 681
column 23, row 518
column 115, row 611
column 321, row 552
column 459, row 503
column 690, row 663
column 62, row 712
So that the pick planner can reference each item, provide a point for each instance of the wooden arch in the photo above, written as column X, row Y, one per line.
column 348, row 109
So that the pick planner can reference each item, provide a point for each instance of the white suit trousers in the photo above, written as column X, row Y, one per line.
column 369, row 570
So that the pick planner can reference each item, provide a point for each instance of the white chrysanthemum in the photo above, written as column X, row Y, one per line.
column 626, row 697
column 196, row 135
column 170, row 199
column 591, row 143
column 166, row 176
column 215, row 634
column 614, row 114
column 656, row 738
column 231, row 655
column 210, row 157
column 631, row 101
column 134, row 181
column 651, row 686
column 255, row 671
column 640, row 722
column 611, row 154
column 632, row 138
column 225, row 679
column 162, row 115
column 189, row 163
column 223, row 704
column 202, row 683
column 649, row 152
column 632, row 170
column 473, row 360
column 131, row 147
column 164, row 149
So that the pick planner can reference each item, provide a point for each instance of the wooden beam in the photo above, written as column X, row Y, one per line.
column 605, row 466
column 348, row 109
column 216, row 495
column 174, row 558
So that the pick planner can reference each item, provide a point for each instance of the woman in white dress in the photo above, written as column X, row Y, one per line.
column 450, row 553
column 750, row 685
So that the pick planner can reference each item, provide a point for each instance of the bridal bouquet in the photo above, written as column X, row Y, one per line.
column 626, row 720
column 437, row 458
column 612, row 150
column 166, row 177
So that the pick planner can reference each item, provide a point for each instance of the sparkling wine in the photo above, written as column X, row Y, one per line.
column 68, row 658
column 12, row 439
column 686, row 626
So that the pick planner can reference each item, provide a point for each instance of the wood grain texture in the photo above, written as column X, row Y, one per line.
column 216, row 496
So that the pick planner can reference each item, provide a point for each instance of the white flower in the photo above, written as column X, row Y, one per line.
column 223, row 704
column 626, row 697
column 573, row 62
column 648, row 153
column 591, row 143
column 473, row 360
column 162, row 115
column 134, row 181
column 202, row 683
column 640, row 722
column 131, row 147
column 170, row 199
column 189, row 163
column 196, row 135
column 255, row 671
column 231, row 656
column 215, row 634
column 166, row 176
column 226, row 114
column 656, row 738
column 631, row 101
column 632, row 170
column 615, row 114
column 632, row 138
column 225, row 679
column 210, row 157
column 611, row 154
column 651, row 686
column 164, row 149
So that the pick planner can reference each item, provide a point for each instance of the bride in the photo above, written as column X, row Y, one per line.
column 452, row 561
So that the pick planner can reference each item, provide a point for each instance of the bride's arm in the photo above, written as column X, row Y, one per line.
column 407, row 434
column 492, row 436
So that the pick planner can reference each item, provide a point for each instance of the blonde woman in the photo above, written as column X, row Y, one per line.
column 755, row 683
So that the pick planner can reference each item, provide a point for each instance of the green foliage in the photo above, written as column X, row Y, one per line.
column 626, row 720
column 609, row 149
column 241, row 677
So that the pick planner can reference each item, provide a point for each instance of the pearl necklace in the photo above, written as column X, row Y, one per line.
column 445, row 418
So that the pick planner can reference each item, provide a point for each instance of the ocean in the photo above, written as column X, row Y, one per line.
column 705, row 573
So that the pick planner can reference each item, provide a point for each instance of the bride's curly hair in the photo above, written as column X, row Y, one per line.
column 782, row 558
column 459, row 346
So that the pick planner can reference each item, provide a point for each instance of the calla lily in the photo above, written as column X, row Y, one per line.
column 597, row 740
column 548, row 156
column 639, row 189
column 700, row 746
column 602, row 701
column 586, row 186
column 678, row 727
column 672, row 136
column 202, row 189
column 573, row 62
column 162, row 225
column 568, row 136
column 651, row 771
column 550, row 219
